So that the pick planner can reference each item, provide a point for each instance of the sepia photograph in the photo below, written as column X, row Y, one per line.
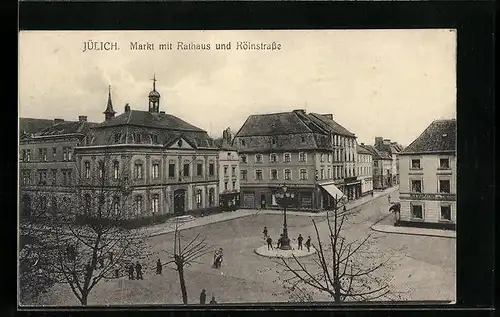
column 236, row 167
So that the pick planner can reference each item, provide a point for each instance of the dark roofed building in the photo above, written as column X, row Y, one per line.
column 392, row 150
column 309, row 151
column 428, row 177
column 382, row 166
column 32, row 125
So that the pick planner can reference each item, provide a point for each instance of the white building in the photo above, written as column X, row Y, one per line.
column 364, row 168
column 229, row 171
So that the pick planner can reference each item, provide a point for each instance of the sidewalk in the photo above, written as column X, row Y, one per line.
column 167, row 227
column 415, row 231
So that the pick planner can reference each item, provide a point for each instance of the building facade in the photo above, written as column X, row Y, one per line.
column 382, row 167
column 162, row 164
column 364, row 170
column 309, row 153
column 428, row 177
column 46, row 162
column 391, row 149
column 229, row 173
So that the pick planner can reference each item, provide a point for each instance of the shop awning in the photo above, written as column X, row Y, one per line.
column 333, row 191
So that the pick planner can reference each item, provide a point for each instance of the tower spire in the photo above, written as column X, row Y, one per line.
column 109, row 113
column 154, row 82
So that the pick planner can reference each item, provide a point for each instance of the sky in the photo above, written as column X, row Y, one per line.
column 388, row 83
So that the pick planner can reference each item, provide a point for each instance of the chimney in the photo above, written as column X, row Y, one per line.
column 328, row 115
column 362, row 143
column 82, row 118
column 301, row 111
column 127, row 107
column 57, row 120
column 162, row 112
column 378, row 141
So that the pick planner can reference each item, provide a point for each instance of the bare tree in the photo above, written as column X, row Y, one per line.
column 184, row 253
column 88, row 236
column 345, row 270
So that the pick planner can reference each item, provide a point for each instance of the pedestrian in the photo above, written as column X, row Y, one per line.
column 158, row 267
column 213, row 301
column 203, row 297
column 131, row 271
column 300, row 239
column 308, row 244
column 345, row 209
column 138, row 271
column 372, row 193
column 218, row 261
column 389, row 198
column 269, row 243
column 265, row 232
column 216, row 255
column 279, row 241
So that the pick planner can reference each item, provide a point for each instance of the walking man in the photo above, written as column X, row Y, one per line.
column 138, row 271
column 308, row 244
column 203, row 297
column 158, row 267
column 269, row 243
column 265, row 232
column 279, row 241
column 131, row 271
column 300, row 239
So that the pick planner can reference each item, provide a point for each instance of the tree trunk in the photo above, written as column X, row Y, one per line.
column 180, row 269
column 83, row 300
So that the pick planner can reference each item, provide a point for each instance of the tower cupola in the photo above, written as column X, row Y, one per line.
column 154, row 98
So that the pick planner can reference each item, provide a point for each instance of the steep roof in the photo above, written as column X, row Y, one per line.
column 222, row 144
column 273, row 124
column 67, row 127
column 377, row 155
column 32, row 125
column 362, row 150
column 152, row 120
column 438, row 137
column 330, row 125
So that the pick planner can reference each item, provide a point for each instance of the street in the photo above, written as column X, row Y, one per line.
column 424, row 267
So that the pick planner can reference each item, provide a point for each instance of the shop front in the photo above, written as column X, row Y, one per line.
column 229, row 201
column 352, row 188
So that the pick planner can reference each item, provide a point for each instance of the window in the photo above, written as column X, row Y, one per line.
column 243, row 175
column 54, row 177
column 117, row 137
column 415, row 163
column 322, row 173
column 211, row 169
column 138, row 205
column 444, row 163
column 329, row 174
column 155, row 203
column 66, row 156
column 234, row 185
column 302, row 157
column 154, row 138
column 23, row 155
column 322, row 157
column 329, row 157
column 54, row 153
column 87, row 170
column 28, row 155
column 243, row 159
column 198, row 198
column 258, row 158
column 273, row 141
column 225, row 185
column 233, row 170
column 446, row 213
column 303, row 139
column 288, row 174
column 229, row 156
column 171, row 169
column 43, row 155
column 116, row 168
column 272, row 158
column 138, row 138
column 211, row 196
column 243, row 142
column 286, row 157
column 116, row 205
column 444, row 186
column 258, row 174
column 416, row 186
column 156, row 170
column 274, row 174
column 303, row 174
column 87, row 203
column 417, row 212
column 185, row 170
column 225, row 170
column 100, row 167
column 42, row 175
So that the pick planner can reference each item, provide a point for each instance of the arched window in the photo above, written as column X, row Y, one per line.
column 116, row 205
column 138, row 170
column 87, row 169
column 138, row 138
column 116, row 169
column 155, row 203
column 100, row 167
column 198, row 198
column 138, row 206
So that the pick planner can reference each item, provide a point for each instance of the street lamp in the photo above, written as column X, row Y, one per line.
column 285, row 198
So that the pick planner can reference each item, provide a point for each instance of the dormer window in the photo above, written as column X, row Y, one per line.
column 243, row 142
column 154, row 138
column 138, row 138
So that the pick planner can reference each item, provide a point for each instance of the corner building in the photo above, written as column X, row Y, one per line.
column 163, row 164
column 428, row 178
column 310, row 153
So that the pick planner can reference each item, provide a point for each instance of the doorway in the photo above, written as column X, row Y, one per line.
column 179, row 200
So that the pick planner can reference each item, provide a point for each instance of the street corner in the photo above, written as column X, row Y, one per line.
column 286, row 254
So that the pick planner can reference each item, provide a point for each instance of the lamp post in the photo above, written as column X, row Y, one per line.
column 285, row 197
